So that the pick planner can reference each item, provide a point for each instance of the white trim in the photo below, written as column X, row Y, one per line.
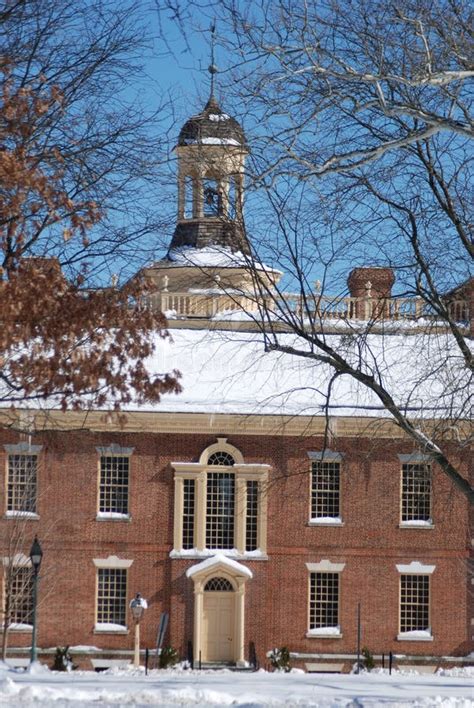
column 325, row 566
column 19, row 560
column 325, row 456
column 112, row 562
column 195, row 554
column 326, row 521
column 115, row 449
column 14, row 514
column 109, row 628
column 23, row 448
column 415, row 568
column 221, row 446
column 112, row 516
column 415, row 458
column 417, row 635
column 20, row 627
column 417, row 524
column 324, row 633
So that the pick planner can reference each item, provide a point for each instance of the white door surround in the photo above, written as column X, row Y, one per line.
column 226, row 610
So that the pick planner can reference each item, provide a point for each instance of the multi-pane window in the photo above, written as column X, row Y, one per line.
column 22, row 483
column 324, row 600
column 220, row 510
column 21, row 595
column 414, row 603
column 325, row 490
column 251, row 526
column 112, row 596
column 416, row 492
column 114, row 483
column 220, row 503
column 221, row 457
column 188, row 513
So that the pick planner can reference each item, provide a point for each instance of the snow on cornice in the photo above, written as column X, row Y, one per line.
column 214, row 257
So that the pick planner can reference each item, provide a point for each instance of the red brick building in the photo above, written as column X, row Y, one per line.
column 245, row 508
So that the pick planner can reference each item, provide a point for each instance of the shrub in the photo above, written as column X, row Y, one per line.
column 168, row 657
column 368, row 660
column 280, row 659
column 63, row 660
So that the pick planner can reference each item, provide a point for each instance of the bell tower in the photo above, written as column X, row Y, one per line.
column 211, row 153
column 209, row 267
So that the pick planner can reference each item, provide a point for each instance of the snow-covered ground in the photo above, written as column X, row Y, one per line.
column 41, row 688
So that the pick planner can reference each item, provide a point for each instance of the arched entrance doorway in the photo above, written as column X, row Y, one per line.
column 218, row 620
column 219, row 601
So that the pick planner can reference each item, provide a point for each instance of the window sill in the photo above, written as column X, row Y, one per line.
column 17, row 627
column 195, row 554
column 326, row 521
column 324, row 633
column 112, row 516
column 414, row 637
column 110, row 629
column 31, row 515
column 416, row 525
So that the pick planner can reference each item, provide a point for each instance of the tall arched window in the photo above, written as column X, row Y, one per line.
column 220, row 503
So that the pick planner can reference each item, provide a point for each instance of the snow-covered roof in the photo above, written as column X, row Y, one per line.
column 213, row 257
column 219, row 560
column 230, row 372
column 212, row 127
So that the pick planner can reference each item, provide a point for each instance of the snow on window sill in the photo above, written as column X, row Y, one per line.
column 416, row 524
column 417, row 635
column 109, row 628
column 20, row 627
column 324, row 633
column 326, row 521
column 12, row 514
column 112, row 516
column 209, row 552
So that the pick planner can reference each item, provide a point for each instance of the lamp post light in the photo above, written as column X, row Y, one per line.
column 36, row 556
column 137, row 606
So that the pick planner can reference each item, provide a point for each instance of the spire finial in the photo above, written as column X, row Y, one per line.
column 212, row 67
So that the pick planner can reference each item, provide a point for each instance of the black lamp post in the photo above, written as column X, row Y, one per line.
column 36, row 556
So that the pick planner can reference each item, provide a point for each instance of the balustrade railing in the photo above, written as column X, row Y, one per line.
column 211, row 305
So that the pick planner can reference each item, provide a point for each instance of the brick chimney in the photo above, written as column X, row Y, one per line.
column 370, row 285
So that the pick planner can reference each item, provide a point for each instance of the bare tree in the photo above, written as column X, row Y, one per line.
column 105, row 141
column 359, row 117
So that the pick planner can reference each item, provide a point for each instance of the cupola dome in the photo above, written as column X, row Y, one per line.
column 212, row 127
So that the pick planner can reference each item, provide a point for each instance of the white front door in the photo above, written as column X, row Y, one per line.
column 218, row 626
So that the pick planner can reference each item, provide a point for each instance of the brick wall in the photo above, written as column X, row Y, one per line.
column 370, row 543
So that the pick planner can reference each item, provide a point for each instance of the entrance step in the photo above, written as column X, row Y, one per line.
column 217, row 666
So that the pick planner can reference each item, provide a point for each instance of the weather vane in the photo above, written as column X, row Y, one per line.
column 212, row 67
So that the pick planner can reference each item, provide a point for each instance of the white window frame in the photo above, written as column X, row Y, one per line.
column 243, row 473
column 325, row 566
column 415, row 568
column 19, row 562
column 111, row 563
column 331, row 457
column 113, row 451
column 422, row 460
column 22, row 449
